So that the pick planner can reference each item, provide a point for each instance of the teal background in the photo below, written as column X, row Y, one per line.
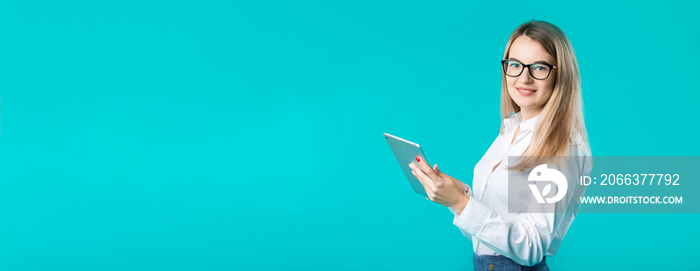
column 201, row 135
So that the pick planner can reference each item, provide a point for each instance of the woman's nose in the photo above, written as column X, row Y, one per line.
column 525, row 76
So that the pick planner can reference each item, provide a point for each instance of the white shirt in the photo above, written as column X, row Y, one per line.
column 522, row 237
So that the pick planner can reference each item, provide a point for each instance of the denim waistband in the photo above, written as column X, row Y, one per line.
column 503, row 263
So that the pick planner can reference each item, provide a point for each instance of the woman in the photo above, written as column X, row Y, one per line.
column 542, row 117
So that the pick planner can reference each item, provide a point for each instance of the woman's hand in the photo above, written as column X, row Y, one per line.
column 440, row 187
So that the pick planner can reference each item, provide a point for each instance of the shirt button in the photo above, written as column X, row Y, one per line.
column 490, row 266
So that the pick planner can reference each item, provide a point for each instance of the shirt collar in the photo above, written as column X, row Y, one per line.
column 516, row 119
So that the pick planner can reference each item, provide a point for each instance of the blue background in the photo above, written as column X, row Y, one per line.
column 201, row 135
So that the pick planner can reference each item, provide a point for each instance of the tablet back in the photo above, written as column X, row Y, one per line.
column 405, row 152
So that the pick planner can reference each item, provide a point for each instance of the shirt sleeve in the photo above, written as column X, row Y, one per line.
column 469, row 192
column 526, row 238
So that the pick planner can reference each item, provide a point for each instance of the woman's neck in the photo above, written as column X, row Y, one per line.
column 528, row 113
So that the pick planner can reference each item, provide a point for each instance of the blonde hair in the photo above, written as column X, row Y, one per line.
column 561, row 119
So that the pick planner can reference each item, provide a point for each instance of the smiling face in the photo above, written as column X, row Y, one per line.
column 527, row 92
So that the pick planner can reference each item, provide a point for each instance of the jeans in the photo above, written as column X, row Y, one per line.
column 503, row 263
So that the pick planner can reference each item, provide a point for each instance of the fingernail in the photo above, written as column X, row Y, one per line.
column 417, row 158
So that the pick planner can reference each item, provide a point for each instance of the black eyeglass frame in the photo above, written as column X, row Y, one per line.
column 551, row 67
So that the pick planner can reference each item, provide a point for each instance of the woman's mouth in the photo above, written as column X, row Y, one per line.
column 525, row 91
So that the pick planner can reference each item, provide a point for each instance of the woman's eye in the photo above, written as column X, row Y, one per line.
column 515, row 65
column 540, row 68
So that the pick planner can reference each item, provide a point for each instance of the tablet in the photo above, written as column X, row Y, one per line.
column 405, row 152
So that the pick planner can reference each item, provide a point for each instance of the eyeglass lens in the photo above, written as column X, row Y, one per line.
column 515, row 68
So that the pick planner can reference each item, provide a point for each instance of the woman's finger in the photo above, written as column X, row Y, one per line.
column 431, row 195
column 443, row 175
column 430, row 182
column 439, row 172
column 425, row 186
column 424, row 179
column 435, row 168
column 428, row 170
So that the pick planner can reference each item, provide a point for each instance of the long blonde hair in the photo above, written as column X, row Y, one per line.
column 561, row 119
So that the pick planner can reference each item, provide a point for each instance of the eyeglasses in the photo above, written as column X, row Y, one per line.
column 539, row 71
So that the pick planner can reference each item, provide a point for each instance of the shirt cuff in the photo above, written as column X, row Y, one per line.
column 473, row 217
column 469, row 192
